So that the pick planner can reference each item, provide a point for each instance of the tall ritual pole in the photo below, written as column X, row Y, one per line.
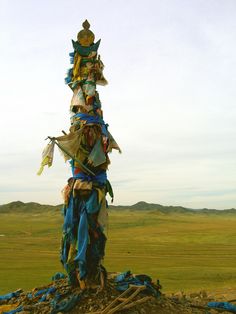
column 86, row 147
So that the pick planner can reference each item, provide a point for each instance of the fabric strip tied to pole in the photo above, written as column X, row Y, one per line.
column 83, row 239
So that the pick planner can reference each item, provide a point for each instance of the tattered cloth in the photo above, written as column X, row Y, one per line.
column 83, row 241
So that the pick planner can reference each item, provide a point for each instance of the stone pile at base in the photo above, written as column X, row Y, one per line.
column 122, row 293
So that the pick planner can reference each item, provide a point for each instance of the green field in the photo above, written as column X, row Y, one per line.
column 185, row 251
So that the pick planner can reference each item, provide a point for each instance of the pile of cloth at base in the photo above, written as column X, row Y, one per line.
column 60, row 297
column 86, row 147
column 123, row 281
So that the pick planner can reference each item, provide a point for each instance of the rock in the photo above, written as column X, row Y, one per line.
column 203, row 294
column 193, row 295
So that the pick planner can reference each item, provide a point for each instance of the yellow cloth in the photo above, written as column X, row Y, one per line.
column 72, row 254
column 47, row 157
column 8, row 307
column 76, row 68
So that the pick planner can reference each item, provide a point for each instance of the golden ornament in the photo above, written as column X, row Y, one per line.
column 86, row 37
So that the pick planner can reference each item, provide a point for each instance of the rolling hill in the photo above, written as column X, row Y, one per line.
column 18, row 207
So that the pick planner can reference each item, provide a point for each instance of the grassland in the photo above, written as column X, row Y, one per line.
column 185, row 251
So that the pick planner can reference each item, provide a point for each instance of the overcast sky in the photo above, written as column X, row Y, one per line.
column 170, row 102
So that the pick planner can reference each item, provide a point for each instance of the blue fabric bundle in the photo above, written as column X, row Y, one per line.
column 88, row 118
column 123, row 281
column 83, row 239
column 46, row 292
column 78, row 220
column 43, row 292
column 65, row 305
column 92, row 119
column 40, row 292
column 123, row 276
column 223, row 305
column 69, row 220
column 100, row 178
column 68, row 78
column 58, row 276
column 72, row 55
column 10, row 295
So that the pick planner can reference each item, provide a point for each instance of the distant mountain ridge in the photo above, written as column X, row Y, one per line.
column 18, row 207
column 172, row 209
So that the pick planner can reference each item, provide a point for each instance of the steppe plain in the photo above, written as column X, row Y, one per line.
column 185, row 250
